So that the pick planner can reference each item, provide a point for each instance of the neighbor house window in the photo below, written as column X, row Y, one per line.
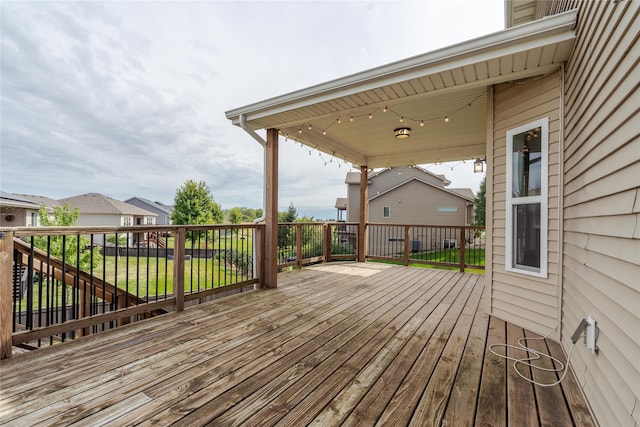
column 447, row 209
column 127, row 221
column 34, row 219
column 386, row 212
column 527, row 165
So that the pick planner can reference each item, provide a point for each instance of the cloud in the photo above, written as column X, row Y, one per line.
column 128, row 98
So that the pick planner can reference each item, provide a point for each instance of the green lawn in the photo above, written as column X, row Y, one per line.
column 153, row 276
column 475, row 257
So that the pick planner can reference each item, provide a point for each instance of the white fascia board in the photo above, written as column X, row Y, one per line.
column 546, row 31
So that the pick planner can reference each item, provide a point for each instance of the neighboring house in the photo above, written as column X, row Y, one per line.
column 409, row 195
column 551, row 103
column 162, row 211
column 99, row 210
column 17, row 211
column 47, row 202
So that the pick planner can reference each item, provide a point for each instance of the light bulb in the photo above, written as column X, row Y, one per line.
column 324, row 132
column 339, row 121
column 421, row 123
column 446, row 119
column 370, row 116
column 300, row 130
column 351, row 119
column 401, row 119
column 309, row 127
column 384, row 110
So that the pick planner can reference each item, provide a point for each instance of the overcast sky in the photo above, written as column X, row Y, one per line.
column 128, row 98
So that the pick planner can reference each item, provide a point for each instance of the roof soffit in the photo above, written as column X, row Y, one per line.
column 425, row 88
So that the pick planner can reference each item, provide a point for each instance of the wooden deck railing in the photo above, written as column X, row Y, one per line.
column 59, row 283
column 65, row 282
column 462, row 247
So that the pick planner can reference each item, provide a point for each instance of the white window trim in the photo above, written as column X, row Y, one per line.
column 543, row 199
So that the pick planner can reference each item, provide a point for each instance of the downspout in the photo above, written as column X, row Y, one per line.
column 261, row 141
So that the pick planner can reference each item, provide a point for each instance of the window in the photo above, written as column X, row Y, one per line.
column 126, row 221
column 386, row 212
column 447, row 209
column 34, row 219
column 526, row 226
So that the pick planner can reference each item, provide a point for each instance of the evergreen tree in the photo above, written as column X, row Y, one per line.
column 480, row 203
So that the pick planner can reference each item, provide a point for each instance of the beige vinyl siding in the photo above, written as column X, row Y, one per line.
column 602, row 207
column 417, row 203
column 522, row 299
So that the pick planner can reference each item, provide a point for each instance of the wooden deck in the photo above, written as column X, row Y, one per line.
column 335, row 344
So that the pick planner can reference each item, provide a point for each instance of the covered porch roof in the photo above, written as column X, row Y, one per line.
column 440, row 95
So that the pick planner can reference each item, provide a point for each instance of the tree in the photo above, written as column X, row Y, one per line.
column 480, row 203
column 194, row 204
column 289, row 216
column 235, row 215
column 67, row 246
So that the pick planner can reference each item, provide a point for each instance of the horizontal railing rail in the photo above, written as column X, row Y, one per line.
column 447, row 246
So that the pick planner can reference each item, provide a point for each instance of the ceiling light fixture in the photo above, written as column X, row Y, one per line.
column 402, row 133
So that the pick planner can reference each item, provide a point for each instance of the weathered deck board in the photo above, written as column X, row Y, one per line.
column 341, row 343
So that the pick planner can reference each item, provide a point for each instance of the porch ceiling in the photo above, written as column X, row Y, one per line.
column 450, row 82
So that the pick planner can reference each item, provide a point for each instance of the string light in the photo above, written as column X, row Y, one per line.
column 351, row 119
column 309, row 127
column 421, row 123
column 370, row 116
column 384, row 110
column 446, row 119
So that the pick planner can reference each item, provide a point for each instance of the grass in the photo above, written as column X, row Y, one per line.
column 153, row 277
column 452, row 256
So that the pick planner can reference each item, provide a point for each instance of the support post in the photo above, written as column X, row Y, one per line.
column 6, row 293
column 364, row 213
column 271, row 210
column 298, row 246
column 178, row 267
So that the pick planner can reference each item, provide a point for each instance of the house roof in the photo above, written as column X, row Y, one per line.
column 412, row 179
column 16, row 201
column 95, row 203
column 464, row 192
column 48, row 202
column 447, row 82
column 160, row 206
column 445, row 181
column 341, row 203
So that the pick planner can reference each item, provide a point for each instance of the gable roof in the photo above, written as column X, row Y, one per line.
column 48, row 202
column 160, row 206
column 453, row 193
column 16, row 201
column 442, row 178
column 449, row 82
column 95, row 203
column 341, row 203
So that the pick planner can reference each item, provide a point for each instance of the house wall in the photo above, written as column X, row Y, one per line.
column 417, row 203
column 601, row 249
column 521, row 299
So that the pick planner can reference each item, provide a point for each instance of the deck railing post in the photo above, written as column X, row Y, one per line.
column 6, row 293
column 463, row 244
column 298, row 246
column 178, row 267
column 258, row 257
column 406, row 245
column 327, row 242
